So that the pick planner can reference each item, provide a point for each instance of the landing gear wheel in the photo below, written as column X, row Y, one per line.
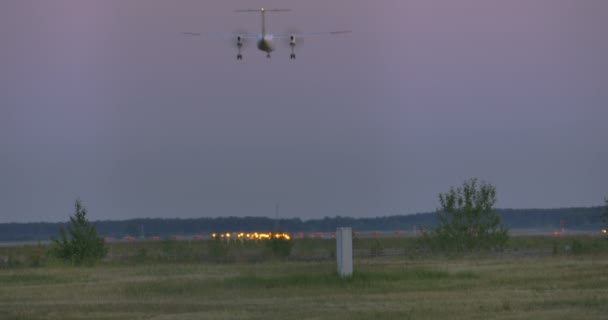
column 268, row 55
column 239, row 45
column 292, row 56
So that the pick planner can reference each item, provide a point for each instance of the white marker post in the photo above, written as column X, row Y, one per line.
column 344, row 251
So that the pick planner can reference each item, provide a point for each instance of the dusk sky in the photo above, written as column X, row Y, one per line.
column 105, row 100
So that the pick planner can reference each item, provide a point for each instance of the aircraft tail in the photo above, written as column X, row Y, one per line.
column 263, row 11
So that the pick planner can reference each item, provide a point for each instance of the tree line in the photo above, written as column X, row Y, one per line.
column 466, row 221
column 582, row 218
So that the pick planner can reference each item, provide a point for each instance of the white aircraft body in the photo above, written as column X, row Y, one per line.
column 265, row 40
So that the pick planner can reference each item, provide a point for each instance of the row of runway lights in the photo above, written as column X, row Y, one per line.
column 259, row 236
column 251, row 236
column 219, row 236
column 286, row 236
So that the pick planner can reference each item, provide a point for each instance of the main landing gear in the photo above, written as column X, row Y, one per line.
column 239, row 45
column 292, row 44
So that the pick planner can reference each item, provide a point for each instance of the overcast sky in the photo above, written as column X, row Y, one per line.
column 105, row 100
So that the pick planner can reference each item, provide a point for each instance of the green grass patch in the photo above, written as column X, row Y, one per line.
column 315, row 280
column 167, row 288
column 488, row 286
column 594, row 302
column 25, row 279
column 359, row 279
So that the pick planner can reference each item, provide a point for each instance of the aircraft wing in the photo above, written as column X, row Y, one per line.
column 223, row 35
column 310, row 34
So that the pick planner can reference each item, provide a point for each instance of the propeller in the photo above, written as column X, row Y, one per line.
column 244, row 42
column 293, row 39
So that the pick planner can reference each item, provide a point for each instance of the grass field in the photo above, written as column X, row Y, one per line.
column 547, row 285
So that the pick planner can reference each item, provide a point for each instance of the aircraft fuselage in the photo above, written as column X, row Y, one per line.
column 265, row 44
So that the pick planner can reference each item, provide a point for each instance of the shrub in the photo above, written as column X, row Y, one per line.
column 280, row 247
column 467, row 220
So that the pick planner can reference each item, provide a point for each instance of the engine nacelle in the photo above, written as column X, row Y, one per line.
column 292, row 40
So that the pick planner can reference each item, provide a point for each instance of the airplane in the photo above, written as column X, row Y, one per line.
column 265, row 40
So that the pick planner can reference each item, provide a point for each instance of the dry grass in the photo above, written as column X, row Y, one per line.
column 563, row 287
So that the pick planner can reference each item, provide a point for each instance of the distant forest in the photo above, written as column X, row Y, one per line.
column 518, row 219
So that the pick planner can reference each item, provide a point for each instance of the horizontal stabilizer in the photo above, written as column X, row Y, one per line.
column 309, row 34
column 223, row 35
column 263, row 10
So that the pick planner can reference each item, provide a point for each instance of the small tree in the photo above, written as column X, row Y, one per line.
column 80, row 244
column 467, row 219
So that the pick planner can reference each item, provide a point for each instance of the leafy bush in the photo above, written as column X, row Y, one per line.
column 467, row 219
column 280, row 247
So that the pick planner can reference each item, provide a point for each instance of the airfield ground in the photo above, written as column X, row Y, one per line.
column 536, row 278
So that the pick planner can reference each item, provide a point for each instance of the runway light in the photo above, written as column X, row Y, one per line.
column 604, row 231
column 252, row 236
